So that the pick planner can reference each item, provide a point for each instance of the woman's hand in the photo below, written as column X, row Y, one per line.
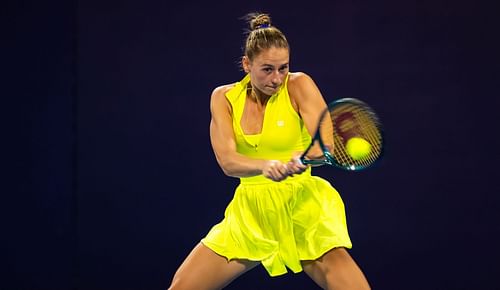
column 294, row 166
column 275, row 170
column 278, row 171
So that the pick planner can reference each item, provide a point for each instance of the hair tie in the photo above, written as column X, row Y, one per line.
column 264, row 25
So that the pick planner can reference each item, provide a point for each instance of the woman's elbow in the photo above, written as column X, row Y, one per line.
column 226, row 165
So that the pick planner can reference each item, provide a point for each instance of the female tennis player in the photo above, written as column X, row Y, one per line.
column 281, row 216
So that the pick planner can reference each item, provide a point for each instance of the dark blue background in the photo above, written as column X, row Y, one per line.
column 110, row 179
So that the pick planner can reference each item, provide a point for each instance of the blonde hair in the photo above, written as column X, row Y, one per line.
column 262, row 35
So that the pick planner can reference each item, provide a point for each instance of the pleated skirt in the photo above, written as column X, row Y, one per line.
column 281, row 224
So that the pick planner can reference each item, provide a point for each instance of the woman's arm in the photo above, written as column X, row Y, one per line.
column 309, row 103
column 307, row 99
column 224, row 144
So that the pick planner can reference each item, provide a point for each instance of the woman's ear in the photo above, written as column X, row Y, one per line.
column 245, row 63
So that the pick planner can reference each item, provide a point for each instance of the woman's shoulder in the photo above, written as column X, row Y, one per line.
column 298, row 78
column 300, row 82
column 220, row 91
column 219, row 98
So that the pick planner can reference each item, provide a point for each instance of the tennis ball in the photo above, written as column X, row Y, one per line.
column 358, row 148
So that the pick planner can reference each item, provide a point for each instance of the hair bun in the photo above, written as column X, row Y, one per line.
column 259, row 20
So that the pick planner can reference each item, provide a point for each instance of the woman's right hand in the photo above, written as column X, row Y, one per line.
column 275, row 170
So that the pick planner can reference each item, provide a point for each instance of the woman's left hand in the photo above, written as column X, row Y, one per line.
column 294, row 166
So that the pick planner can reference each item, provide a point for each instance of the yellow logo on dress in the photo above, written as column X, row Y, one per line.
column 280, row 123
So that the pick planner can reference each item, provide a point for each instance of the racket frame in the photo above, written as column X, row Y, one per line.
column 329, row 159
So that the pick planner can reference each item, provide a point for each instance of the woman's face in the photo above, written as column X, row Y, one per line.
column 268, row 69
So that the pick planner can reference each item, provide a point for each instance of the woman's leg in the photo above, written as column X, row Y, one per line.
column 204, row 269
column 336, row 270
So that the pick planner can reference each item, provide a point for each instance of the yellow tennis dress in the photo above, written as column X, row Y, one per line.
column 278, row 223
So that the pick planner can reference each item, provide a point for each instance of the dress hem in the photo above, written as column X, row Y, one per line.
column 219, row 251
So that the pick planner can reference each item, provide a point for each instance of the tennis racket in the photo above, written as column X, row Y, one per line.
column 349, row 136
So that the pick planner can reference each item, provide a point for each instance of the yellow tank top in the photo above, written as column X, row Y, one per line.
column 283, row 131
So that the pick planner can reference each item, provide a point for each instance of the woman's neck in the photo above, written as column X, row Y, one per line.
column 257, row 96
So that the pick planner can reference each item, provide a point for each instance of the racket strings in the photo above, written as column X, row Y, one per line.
column 360, row 122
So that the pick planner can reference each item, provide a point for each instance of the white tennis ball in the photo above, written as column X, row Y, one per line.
column 358, row 148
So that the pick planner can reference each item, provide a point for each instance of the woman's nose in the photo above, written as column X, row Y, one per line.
column 276, row 80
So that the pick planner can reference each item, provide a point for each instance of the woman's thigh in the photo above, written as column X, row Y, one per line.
column 204, row 269
column 336, row 270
